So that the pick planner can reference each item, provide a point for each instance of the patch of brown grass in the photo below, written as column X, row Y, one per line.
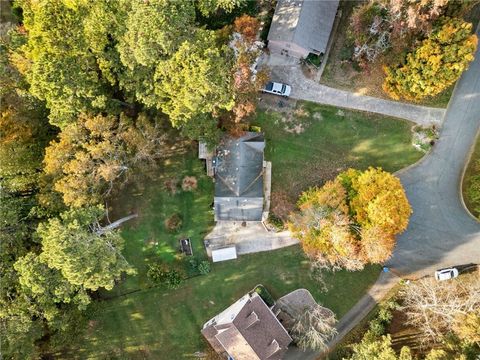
column 189, row 183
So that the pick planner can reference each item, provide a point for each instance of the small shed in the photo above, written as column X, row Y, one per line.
column 223, row 254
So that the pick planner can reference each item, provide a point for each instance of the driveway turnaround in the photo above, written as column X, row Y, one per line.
column 307, row 89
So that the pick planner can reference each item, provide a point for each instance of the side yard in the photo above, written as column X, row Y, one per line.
column 309, row 144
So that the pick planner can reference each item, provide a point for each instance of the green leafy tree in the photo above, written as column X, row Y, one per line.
column 86, row 256
column 153, row 32
column 436, row 64
column 209, row 7
column 62, row 70
column 372, row 347
column 193, row 81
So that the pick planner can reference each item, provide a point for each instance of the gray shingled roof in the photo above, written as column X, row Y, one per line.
column 307, row 23
column 239, row 178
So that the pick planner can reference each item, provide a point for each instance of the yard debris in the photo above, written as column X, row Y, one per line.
column 174, row 222
column 423, row 138
column 189, row 183
column 171, row 185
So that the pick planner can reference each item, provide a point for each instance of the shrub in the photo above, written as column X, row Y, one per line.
column 189, row 183
column 204, row 267
column 160, row 274
column 171, row 185
column 174, row 222
column 265, row 295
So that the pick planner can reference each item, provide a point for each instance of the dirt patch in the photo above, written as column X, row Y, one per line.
column 282, row 205
column 403, row 334
column 189, row 183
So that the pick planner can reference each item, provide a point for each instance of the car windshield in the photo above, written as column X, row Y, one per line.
column 269, row 86
column 283, row 88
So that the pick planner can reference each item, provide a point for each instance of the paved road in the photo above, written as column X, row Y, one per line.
column 306, row 89
column 441, row 233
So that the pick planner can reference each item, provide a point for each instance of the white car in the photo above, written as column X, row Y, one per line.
column 277, row 89
column 446, row 274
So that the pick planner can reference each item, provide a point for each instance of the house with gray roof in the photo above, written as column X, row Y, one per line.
column 247, row 330
column 301, row 27
column 239, row 170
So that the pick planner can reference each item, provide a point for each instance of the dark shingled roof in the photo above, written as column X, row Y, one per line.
column 307, row 23
column 239, row 178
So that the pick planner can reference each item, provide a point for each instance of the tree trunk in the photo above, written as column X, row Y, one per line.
column 116, row 224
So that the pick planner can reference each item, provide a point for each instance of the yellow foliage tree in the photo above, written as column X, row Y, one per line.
column 436, row 64
column 352, row 220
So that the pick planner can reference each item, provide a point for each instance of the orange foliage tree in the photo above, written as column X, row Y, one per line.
column 353, row 219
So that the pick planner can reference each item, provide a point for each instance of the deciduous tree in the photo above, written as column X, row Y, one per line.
column 97, row 151
column 85, row 255
column 209, row 7
column 352, row 220
column 314, row 328
column 436, row 64
column 436, row 307
column 194, row 81
column 62, row 70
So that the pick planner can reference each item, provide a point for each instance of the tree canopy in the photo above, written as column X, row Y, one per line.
column 85, row 256
column 353, row 219
column 97, row 151
column 436, row 64
column 194, row 80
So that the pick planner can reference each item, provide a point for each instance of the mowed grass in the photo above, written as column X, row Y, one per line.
column 332, row 140
column 472, row 170
column 147, row 239
column 160, row 324
column 140, row 321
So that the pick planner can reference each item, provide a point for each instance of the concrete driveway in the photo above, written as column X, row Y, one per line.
column 441, row 232
column 288, row 71
column 249, row 237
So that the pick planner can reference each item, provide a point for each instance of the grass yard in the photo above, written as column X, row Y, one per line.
column 155, row 324
column 307, row 145
column 472, row 170
column 140, row 321
column 312, row 143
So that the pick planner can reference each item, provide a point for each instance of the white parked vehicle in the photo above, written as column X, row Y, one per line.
column 277, row 89
column 446, row 274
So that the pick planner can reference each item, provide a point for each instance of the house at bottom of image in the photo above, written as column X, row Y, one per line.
column 247, row 330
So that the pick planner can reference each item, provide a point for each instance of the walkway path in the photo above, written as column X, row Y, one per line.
column 441, row 232
column 253, row 237
column 306, row 89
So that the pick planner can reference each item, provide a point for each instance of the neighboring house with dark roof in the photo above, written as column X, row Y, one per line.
column 301, row 27
column 247, row 330
column 239, row 178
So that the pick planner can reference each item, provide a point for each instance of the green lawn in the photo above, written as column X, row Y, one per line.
column 158, row 324
column 332, row 140
column 471, row 170
column 140, row 321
